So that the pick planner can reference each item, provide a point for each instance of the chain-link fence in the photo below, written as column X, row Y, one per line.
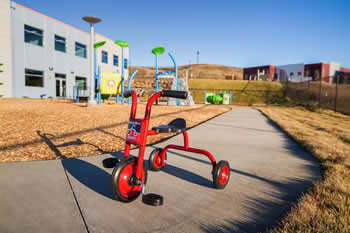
column 330, row 93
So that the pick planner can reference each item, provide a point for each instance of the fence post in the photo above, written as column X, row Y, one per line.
column 319, row 96
column 205, row 93
column 308, row 89
column 336, row 93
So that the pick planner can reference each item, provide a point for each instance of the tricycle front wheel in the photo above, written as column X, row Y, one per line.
column 221, row 174
column 123, row 186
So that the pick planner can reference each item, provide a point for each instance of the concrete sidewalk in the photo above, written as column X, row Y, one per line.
column 268, row 172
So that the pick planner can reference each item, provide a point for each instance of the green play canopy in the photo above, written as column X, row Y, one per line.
column 121, row 43
column 158, row 50
column 99, row 44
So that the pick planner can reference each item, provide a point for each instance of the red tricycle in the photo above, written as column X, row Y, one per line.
column 130, row 174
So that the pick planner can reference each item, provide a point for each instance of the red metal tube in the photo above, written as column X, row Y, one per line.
column 133, row 106
column 189, row 149
column 127, row 150
column 185, row 139
column 140, row 161
column 149, row 105
column 151, row 132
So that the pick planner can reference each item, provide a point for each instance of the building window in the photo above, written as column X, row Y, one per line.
column 299, row 73
column 60, row 43
column 104, row 57
column 34, row 78
column 33, row 35
column 291, row 73
column 115, row 60
column 125, row 63
column 81, row 82
column 80, row 50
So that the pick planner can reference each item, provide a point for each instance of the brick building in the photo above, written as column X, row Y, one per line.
column 294, row 72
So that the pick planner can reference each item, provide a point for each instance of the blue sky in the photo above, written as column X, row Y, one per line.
column 228, row 32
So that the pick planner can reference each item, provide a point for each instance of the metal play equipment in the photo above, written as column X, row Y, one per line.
column 122, row 44
column 129, row 83
column 158, row 51
column 129, row 176
column 97, row 69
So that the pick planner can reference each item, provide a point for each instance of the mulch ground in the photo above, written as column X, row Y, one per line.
column 52, row 129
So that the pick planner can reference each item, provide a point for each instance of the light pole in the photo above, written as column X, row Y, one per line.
column 197, row 63
column 197, row 57
column 122, row 44
column 92, row 20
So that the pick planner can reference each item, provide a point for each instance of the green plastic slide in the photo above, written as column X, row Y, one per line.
column 215, row 99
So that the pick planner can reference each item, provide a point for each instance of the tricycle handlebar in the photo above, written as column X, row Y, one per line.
column 174, row 94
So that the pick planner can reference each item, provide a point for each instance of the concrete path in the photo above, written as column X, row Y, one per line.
column 268, row 172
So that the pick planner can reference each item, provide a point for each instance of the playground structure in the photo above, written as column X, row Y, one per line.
column 122, row 44
column 221, row 98
column 171, row 74
column 107, row 83
column 110, row 83
column 158, row 51
column 129, row 176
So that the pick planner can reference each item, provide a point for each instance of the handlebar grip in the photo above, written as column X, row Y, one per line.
column 127, row 94
column 175, row 94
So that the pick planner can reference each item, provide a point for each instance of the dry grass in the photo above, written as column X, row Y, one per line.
column 244, row 91
column 202, row 71
column 49, row 129
column 242, row 85
column 326, row 207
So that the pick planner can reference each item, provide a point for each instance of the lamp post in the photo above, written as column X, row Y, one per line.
column 197, row 57
column 92, row 20
column 157, row 51
column 122, row 44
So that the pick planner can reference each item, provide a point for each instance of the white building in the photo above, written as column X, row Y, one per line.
column 43, row 56
column 291, row 72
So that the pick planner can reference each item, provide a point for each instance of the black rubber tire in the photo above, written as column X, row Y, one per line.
column 115, row 179
column 110, row 162
column 151, row 162
column 216, row 175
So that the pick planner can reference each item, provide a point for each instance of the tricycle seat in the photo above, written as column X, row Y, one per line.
column 176, row 126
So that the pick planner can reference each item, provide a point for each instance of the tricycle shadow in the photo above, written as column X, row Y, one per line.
column 188, row 176
column 89, row 175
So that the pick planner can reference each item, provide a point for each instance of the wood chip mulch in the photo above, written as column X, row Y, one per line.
column 52, row 129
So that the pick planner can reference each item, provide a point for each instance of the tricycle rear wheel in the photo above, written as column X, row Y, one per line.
column 155, row 160
column 221, row 174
